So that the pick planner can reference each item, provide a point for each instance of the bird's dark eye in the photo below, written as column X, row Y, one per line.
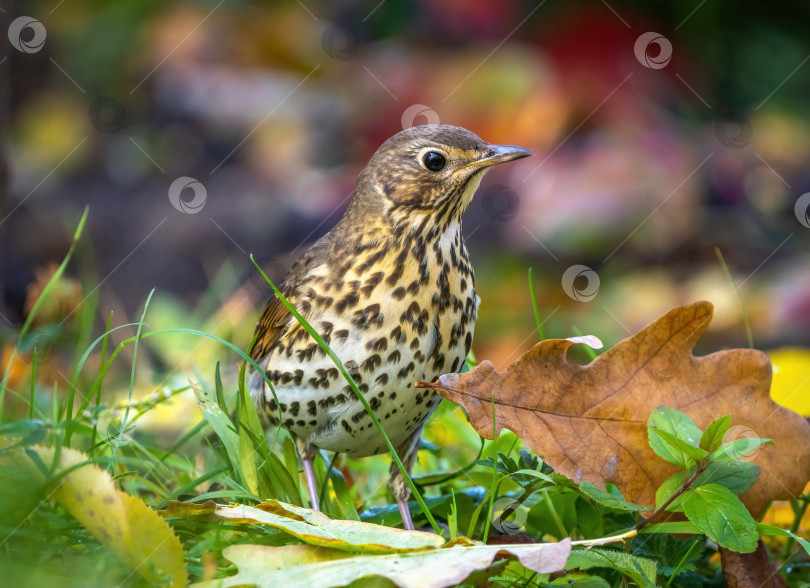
column 434, row 160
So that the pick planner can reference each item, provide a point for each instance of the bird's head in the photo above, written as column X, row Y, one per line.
column 428, row 171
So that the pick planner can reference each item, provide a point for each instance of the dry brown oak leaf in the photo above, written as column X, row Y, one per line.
column 590, row 422
column 750, row 569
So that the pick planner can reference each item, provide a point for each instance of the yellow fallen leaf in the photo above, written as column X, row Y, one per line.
column 791, row 378
column 129, row 528
column 256, row 561
column 316, row 528
column 439, row 567
column 177, row 508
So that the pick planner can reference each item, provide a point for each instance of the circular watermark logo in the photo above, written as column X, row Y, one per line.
column 189, row 186
column 733, row 130
column 581, row 283
column 435, row 433
column 416, row 119
column 107, row 114
column 112, row 426
column 664, row 366
column 509, row 516
column 339, row 43
column 744, row 447
column 653, row 50
column 802, row 210
column 500, row 202
column 39, row 343
column 26, row 34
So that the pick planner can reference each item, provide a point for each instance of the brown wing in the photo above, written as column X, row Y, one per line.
column 270, row 328
column 276, row 320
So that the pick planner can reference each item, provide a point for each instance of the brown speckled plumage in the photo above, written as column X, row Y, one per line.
column 392, row 290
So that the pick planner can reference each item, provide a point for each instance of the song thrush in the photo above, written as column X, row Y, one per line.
column 391, row 290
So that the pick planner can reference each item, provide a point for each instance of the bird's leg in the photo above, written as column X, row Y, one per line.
column 399, row 487
column 307, row 453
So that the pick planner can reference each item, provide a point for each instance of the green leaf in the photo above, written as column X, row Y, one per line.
column 246, row 450
column 671, row 527
column 669, row 420
column 218, row 419
column 667, row 489
column 274, row 479
column 771, row 530
column 641, row 570
column 689, row 453
column 344, row 497
column 739, row 449
column 533, row 474
column 712, row 437
column 554, row 512
column 580, row 581
column 674, row 556
column 609, row 499
column 722, row 517
column 737, row 476
column 529, row 461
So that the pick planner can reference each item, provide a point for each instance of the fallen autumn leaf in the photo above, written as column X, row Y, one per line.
column 590, row 422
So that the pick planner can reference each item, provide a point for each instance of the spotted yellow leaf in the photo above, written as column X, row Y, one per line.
column 129, row 528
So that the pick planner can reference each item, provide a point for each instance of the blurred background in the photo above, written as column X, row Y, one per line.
column 672, row 164
column 200, row 132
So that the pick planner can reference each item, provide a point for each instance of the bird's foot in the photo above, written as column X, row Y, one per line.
column 406, row 514
column 312, row 486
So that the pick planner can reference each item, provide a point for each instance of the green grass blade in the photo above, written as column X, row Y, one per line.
column 187, row 436
column 219, row 391
column 196, row 482
column 33, row 384
column 743, row 313
column 284, row 484
column 241, row 456
column 493, row 483
column 102, row 358
column 219, row 421
column 452, row 520
column 281, row 479
column 689, row 551
column 344, row 496
column 250, row 429
column 96, row 384
column 125, row 420
column 535, row 308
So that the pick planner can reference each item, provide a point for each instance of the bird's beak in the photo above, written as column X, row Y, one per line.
column 502, row 154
